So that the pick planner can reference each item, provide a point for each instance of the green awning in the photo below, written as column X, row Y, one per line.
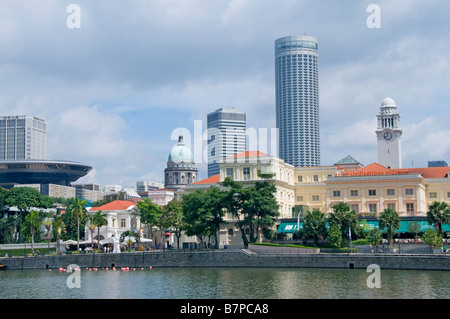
column 288, row 227
column 404, row 225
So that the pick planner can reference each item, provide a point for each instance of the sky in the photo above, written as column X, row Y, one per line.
column 117, row 81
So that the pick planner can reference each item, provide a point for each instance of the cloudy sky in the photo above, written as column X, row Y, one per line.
column 117, row 91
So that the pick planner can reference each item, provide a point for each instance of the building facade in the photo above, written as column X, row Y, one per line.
column 22, row 137
column 389, row 135
column 226, row 129
column 297, row 100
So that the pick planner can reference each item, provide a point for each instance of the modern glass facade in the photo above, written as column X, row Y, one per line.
column 22, row 137
column 297, row 100
column 226, row 136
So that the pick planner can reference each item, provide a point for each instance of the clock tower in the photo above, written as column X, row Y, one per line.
column 389, row 135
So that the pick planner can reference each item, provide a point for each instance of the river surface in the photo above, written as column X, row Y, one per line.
column 218, row 283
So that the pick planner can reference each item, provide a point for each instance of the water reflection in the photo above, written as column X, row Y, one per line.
column 216, row 283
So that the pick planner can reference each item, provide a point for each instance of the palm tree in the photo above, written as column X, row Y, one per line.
column 314, row 225
column 91, row 227
column 34, row 220
column 438, row 214
column 79, row 209
column 48, row 225
column 129, row 234
column 58, row 224
column 99, row 221
column 390, row 220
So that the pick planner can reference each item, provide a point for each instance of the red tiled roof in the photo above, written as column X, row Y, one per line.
column 250, row 154
column 377, row 169
column 431, row 172
column 210, row 180
column 114, row 205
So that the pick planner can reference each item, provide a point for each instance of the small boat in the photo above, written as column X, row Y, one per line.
column 2, row 267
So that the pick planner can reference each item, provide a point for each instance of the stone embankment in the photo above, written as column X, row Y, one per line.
column 231, row 258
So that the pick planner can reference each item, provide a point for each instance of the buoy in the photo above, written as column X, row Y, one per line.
column 150, row 267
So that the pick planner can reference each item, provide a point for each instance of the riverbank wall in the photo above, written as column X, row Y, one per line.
column 229, row 258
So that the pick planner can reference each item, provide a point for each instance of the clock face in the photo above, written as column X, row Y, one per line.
column 387, row 136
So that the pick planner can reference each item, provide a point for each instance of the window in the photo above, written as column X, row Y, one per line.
column 354, row 207
column 372, row 192
column 299, row 198
column 123, row 223
column 229, row 172
column 448, row 194
column 316, row 178
column 246, row 173
column 336, row 193
column 391, row 206
column 373, row 208
column 315, row 198
column 354, row 193
column 299, row 178
column 409, row 207
column 432, row 195
column 409, row 192
column 390, row 192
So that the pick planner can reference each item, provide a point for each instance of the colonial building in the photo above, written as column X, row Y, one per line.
column 181, row 170
column 121, row 215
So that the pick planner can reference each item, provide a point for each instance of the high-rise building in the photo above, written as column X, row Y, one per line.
column 22, row 137
column 389, row 135
column 226, row 136
column 297, row 100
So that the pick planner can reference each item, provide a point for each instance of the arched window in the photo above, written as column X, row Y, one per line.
column 230, row 232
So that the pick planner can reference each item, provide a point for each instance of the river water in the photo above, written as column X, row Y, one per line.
column 218, row 283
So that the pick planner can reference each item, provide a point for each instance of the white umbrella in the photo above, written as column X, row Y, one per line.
column 69, row 242
column 110, row 240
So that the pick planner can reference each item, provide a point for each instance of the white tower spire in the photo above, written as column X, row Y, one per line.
column 389, row 135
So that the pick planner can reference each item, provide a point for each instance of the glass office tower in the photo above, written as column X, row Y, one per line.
column 297, row 100
column 226, row 136
column 22, row 137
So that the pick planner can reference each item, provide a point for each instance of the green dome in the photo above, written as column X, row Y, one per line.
column 180, row 153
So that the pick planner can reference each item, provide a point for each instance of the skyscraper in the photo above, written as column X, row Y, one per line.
column 22, row 137
column 226, row 136
column 297, row 100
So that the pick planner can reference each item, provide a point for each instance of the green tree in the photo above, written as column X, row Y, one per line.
column 261, row 208
column 214, row 207
column 234, row 200
column 390, row 222
column 24, row 198
column 314, row 225
column 149, row 214
column 343, row 217
column 414, row 228
column 99, row 220
column 374, row 236
column 335, row 236
column 33, row 220
column 78, row 208
column 129, row 235
column 432, row 238
column 196, row 216
column 438, row 214
column 173, row 218
column 58, row 226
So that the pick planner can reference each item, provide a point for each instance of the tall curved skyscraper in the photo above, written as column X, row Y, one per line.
column 297, row 100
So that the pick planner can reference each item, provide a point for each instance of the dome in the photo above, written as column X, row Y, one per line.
column 388, row 102
column 180, row 153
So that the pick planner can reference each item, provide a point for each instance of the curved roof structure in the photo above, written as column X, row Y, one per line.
column 41, row 172
column 180, row 153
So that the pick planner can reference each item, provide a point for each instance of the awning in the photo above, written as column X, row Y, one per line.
column 288, row 227
column 404, row 225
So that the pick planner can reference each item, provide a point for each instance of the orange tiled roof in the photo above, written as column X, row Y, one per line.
column 377, row 169
column 114, row 205
column 250, row 154
column 210, row 180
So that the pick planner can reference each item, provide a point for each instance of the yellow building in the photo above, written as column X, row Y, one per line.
column 368, row 190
